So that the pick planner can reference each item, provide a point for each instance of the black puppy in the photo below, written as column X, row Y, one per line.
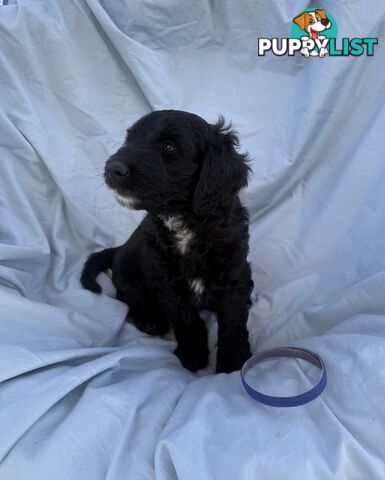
column 189, row 252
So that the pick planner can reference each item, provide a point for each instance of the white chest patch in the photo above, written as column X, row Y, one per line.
column 197, row 287
column 183, row 235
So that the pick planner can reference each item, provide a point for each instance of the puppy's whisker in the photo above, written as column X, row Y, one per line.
column 98, row 176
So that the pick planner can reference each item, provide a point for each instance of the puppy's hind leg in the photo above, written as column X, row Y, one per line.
column 144, row 311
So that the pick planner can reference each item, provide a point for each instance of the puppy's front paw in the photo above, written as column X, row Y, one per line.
column 193, row 359
column 159, row 327
column 228, row 362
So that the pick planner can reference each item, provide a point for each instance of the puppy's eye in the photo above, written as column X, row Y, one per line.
column 168, row 147
column 318, row 18
column 311, row 21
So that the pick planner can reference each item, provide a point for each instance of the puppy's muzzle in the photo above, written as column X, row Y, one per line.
column 116, row 170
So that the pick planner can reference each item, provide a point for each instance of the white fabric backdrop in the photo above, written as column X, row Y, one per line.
column 85, row 395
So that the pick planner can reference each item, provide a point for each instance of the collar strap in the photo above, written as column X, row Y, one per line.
column 291, row 352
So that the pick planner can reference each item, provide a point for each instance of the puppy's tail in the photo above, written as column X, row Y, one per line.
column 96, row 263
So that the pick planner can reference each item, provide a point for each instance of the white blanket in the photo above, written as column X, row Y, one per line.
column 86, row 396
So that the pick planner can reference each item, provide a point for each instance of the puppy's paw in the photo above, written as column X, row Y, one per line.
column 193, row 359
column 228, row 362
column 157, row 328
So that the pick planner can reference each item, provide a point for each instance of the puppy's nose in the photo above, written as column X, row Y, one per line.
column 325, row 22
column 117, row 169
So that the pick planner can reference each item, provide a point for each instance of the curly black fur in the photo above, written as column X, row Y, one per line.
column 190, row 251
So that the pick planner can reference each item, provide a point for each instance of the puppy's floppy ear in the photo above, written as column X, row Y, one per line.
column 302, row 20
column 224, row 171
column 321, row 13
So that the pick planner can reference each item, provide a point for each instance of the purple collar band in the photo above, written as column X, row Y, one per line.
column 291, row 352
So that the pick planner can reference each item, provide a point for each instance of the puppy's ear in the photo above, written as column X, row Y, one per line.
column 302, row 20
column 224, row 171
column 321, row 13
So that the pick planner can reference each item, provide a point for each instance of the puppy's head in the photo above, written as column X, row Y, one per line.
column 313, row 22
column 175, row 162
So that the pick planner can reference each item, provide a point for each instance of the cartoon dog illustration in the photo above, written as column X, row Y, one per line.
column 313, row 23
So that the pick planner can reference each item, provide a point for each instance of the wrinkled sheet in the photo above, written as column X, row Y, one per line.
column 85, row 395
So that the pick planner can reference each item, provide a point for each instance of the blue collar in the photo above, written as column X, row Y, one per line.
column 291, row 352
